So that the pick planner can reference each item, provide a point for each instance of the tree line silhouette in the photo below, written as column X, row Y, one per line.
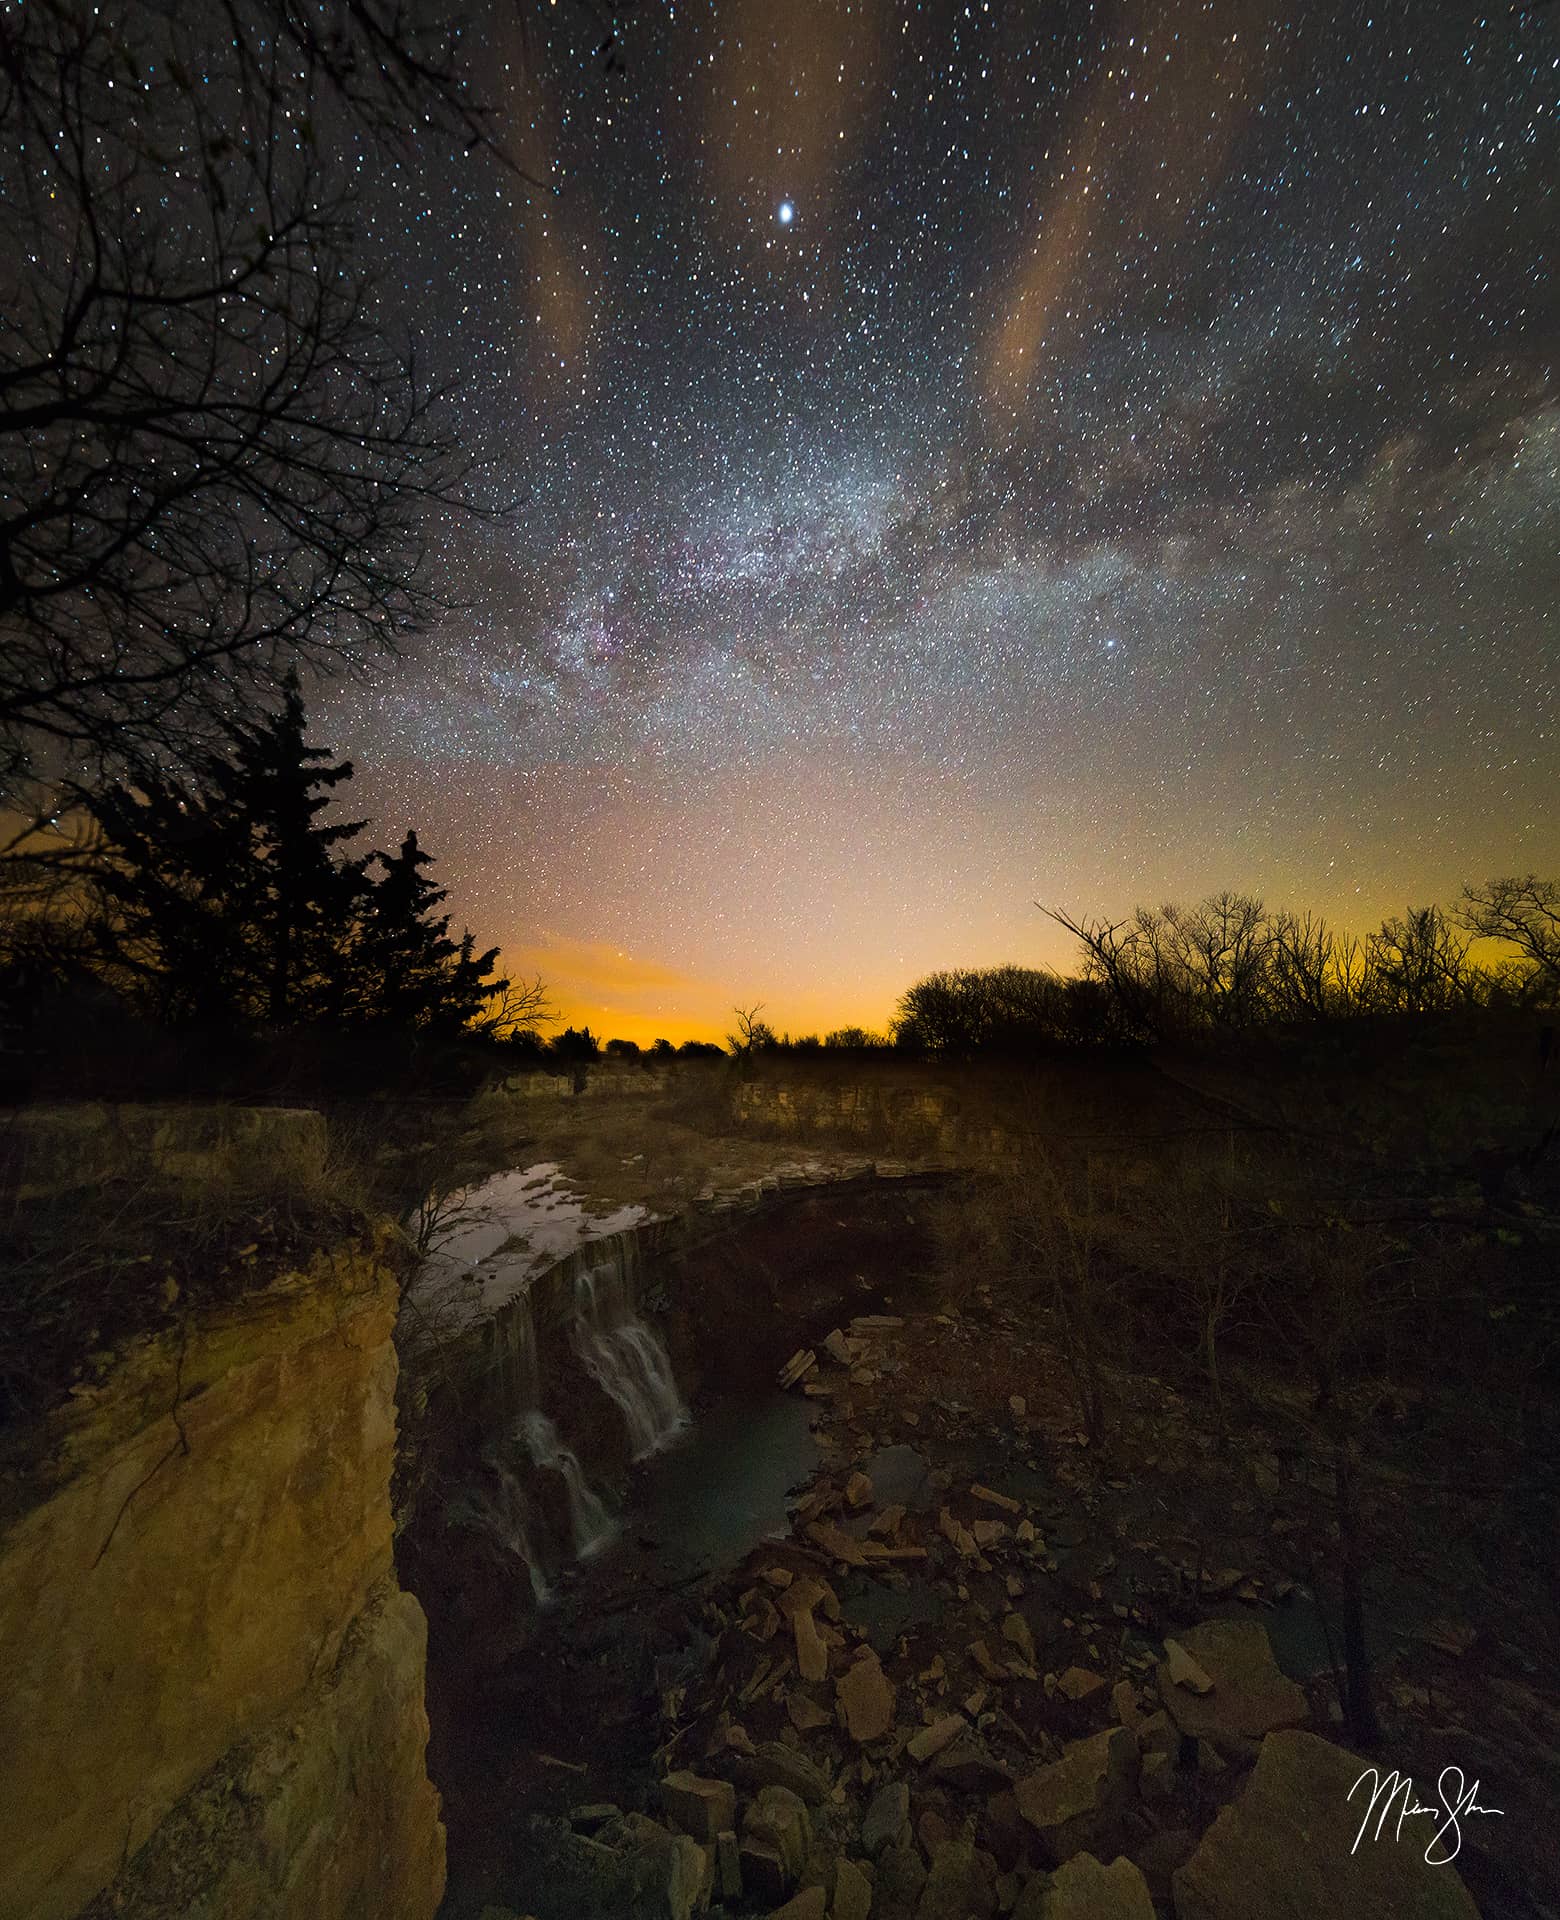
column 229, row 905
column 1228, row 965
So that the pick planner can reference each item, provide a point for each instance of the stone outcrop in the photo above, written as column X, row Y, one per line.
column 1085, row 1889
column 302, row 1821
column 197, row 1587
column 1077, row 1802
column 1287, row 1846
column 1221, row 1684
column 702, row 1808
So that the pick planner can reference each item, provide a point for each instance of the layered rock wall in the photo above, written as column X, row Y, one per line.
column 201, row 1631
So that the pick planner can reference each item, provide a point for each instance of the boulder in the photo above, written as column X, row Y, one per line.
column 702, row 1808
column 931, row 1740
column 590, row 1819
column 1124, row 1705
column 1287, row 1847
column 808, row 1591
column 1083, row 1889
column 865, row 1696
column 933, row 1831
column 852, row 1892
column 1015, row 1630
column 1157, row 1858
column 809, row 1904
column 773, row 1764
column 1078, row 1802
column 778, row 1819
column 968, row 1767
column 1249, row 1697
column 1183, row 1670
column 674, row 1862
column 900, row 1878
column 728, row 1866
column 1077, row 1683
column 762, row 1870
column 804, row 1714
column 962, row 1885
column 887, row 1818
column 812, row 1655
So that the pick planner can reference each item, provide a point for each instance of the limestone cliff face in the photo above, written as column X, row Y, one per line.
column 902, row 1119
column 212, row 1683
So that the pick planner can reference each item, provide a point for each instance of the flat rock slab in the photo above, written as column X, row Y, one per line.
column 700, row 1808
column 1084, row 1889
column 1077, row 1803
column 1249, row 1698
column 865, row 1696
column 941, row 1733
column 1285, row 1850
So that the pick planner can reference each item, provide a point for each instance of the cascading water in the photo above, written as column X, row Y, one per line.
column 592, row 1525
column 624, row 1356
column 504, row 1515
column 513, row 1365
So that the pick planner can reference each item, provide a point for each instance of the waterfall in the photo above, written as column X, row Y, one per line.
column 504, row 1515
column 513, row 1362
column 624, row 1356
column 592, row 1525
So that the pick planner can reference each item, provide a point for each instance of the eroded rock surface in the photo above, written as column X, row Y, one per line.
column 1287, row 1848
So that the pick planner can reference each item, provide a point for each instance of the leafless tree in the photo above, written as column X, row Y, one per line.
column 1419, row 964
column 1218, row 952
column 751, row 1034
column 214, row 460
column 522, row 1008
column 1524, row 911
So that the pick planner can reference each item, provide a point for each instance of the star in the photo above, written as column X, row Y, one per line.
column 785, row 213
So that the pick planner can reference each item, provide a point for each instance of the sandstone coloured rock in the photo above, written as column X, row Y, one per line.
column 941, row 1733
column 1084, row 1889
column 698, row 1807
column 1249, row 1697
column 1077, row 1803
column 962, row 1885
column 852, row 1892
column 866, row 1698
column 1287, row 1847
column 1183, row 1670
column 728, row 1866
column 772, row 1764
column 778, row 1819
column 812, row 1656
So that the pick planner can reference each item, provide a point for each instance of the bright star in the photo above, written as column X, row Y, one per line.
column 786, row 214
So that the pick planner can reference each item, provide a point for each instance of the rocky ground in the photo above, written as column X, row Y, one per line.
column 988, row 1673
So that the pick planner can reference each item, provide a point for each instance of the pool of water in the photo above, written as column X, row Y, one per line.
column 707, row 1501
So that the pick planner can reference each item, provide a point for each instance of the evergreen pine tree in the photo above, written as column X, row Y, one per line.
column 232, row 899
column 414, row 974
column 229, row 896
column 301, row 899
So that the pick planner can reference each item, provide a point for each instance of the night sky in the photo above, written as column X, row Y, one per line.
column 973, row 454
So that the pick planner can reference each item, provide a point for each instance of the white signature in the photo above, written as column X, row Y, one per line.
column 1457, row 1800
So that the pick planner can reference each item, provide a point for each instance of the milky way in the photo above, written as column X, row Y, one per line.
column 1132, row 468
